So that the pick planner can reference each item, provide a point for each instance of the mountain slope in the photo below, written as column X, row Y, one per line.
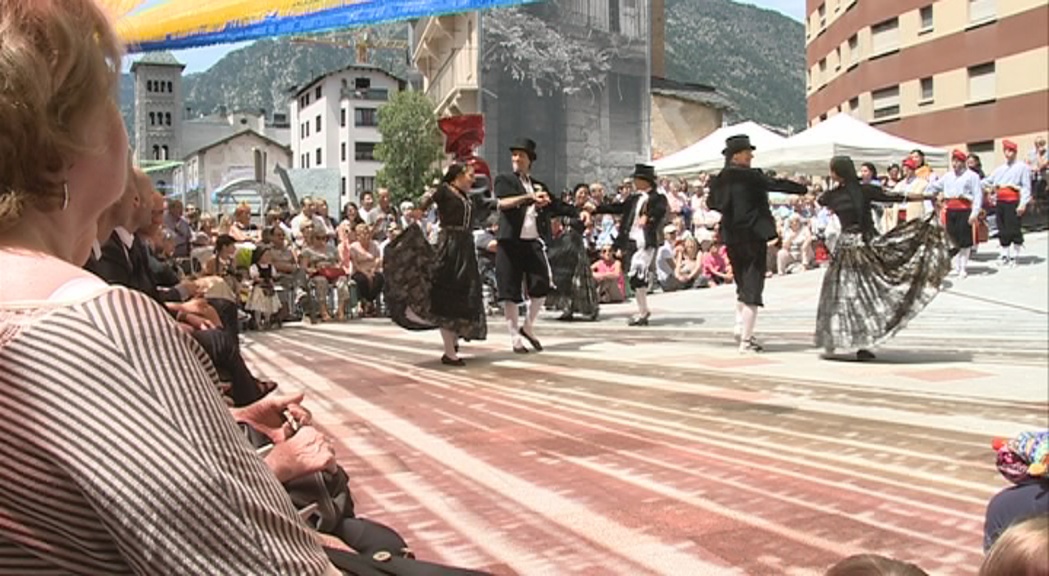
column 754, row 56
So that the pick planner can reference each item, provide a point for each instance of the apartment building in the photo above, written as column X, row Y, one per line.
column 334, row 124
column 953, row 73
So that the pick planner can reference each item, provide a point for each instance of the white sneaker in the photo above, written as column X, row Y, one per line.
column 963, row 275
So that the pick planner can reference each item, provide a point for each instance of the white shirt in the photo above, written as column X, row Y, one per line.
column 965, row 186
column 530, row 227
column 637, row 231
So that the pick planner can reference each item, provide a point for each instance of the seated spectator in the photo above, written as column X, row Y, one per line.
column 1030, row 497
column 796, row 247
column 874, row 565
column 688, row 270
column 608, row 272
column 241, row 229
column 129, row 393
column 715, row 264
column 666, row 260
column 321, row 263
column 1023, row 550
column 367, row 269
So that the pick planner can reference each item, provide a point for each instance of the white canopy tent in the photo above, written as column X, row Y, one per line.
column 706, row 154
column 842, row 135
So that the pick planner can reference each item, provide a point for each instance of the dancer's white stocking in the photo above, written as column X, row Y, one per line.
column 642, row 301
column 512, row 319
column 750, row 317
column 737, row 330
column 534, row 306
column 449, row 339
column 963, row 260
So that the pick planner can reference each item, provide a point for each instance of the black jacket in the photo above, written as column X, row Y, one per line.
column 655, row 209
column 129, row 268
column 511, row 221
column 741, row 195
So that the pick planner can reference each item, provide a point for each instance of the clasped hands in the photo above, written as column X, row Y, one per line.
column 298, row 448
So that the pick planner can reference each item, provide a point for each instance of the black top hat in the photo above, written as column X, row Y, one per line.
column 645, row 172
column 525, row 145
column 737, row 143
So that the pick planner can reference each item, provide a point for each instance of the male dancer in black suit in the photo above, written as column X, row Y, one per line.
column 741, row 194
column 520, row 254
column 640, row 224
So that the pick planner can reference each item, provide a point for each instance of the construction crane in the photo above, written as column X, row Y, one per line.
column 362, row 43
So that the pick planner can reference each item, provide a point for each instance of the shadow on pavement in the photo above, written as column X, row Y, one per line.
column 905, row 357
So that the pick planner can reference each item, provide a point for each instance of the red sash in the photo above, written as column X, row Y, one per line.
column 1008, row 195
column 959, row 204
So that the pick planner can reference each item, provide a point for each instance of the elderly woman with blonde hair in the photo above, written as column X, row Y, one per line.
column 120, row 456
column 1023, row 550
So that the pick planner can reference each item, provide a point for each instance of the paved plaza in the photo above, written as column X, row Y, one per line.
column 661, row 450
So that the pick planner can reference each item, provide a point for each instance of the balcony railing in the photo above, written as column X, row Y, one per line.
column 372, row 94
column 459, row 72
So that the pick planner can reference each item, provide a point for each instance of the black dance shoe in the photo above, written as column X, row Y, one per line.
column 865, row 355
column 450, row 362
column 531, row 340
column 520, row 350
column 639, row 320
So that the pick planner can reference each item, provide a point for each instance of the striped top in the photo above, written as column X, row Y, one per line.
column 119, row 457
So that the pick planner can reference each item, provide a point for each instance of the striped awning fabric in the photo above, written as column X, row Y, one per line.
column 179, row 24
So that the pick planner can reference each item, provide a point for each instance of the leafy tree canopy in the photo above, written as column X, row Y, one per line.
column 411, row 147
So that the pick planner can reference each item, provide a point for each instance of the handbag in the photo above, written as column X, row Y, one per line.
column 332, row 273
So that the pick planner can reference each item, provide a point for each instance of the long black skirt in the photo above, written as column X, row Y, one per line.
column 871, row 290
column 575, row 290
column 428, row 288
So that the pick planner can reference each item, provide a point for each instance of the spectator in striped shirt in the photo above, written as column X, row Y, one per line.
column 119, row 455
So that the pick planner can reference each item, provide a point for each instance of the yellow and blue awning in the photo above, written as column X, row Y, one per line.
column 180, row 24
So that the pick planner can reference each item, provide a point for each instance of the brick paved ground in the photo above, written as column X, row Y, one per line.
column 662, row 451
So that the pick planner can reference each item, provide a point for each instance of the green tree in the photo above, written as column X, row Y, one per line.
column 411, row 147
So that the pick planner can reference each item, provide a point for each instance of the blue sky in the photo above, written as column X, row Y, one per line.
column 200, row 59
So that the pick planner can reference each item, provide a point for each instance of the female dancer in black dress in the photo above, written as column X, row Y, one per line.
column 575, row 290
column 875, row 284
column 427, row 289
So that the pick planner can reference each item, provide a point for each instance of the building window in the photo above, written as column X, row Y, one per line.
column 318, row 156
column 854, row 50
column 318, row 123
column 364, row 150
column 982, row 84
column 152, row 119
column 167, row 118
column 363, row 183
column 318, row 93
column 886, row 103
column 854, row 106
column 307, row 128
column 926, row 16
column 981, row 11
column 343, row 147
column 164, row 152
column 823, row 66
column 171, row 87
column 822, row 12
column 927, row 90
column 149, row 85
column 365, row 117
column 342, row 118
column 885, row 37
column 837, row 58
column 985, row 147
column 156, row 152
column 342, row 187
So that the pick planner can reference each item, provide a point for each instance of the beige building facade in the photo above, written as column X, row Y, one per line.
column 683, row 114
column 952, row 73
